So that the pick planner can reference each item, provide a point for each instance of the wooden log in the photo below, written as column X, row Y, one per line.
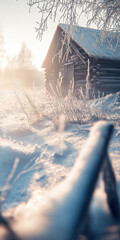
column 98, row 74
column 98, row 65
column 80, row 81
column 93, row 80
column 111, row 74
column 78, row 62
column 81, row 85
column 109, row 82
column 109, row 65
column 78, row 53
column 109, row 78
column 74, row 56
column 80, row 71
column 78, row 68
column 114, row 86
column 82, row 52
column 110, row 69
column 79, row 76
column 107, row 61
column 93, row 70
column 97, row 84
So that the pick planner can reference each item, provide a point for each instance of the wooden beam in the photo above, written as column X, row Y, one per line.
column 78, row 53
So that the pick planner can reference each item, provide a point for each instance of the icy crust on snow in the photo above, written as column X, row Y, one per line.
column 45, row 155
column 110, row 105
column 93, row 43
column 57, row 216
column 45, row 158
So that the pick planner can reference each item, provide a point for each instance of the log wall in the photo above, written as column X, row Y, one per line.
column 104, row 74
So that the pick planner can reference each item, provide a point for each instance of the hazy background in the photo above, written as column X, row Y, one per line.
column 21, row 53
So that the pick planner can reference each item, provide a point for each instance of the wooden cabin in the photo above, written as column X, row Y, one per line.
column 89, row 52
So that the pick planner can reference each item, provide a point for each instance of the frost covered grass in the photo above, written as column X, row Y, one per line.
column 36, row 105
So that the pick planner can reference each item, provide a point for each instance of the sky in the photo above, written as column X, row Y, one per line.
column 18, row 25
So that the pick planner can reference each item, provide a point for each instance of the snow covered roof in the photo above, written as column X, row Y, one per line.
column 93, row 42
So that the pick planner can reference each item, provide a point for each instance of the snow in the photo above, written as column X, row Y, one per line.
column 35, row 158
column 94, row 43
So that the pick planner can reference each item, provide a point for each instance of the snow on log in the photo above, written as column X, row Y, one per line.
column 65, row 209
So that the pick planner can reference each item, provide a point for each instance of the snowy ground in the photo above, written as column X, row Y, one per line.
column 33, row 159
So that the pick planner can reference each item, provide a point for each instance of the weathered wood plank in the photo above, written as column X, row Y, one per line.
column 110, row 69
column 78, row 53
column 109, row 78
column 114, row 82
column 111, row 86
column 80, row 81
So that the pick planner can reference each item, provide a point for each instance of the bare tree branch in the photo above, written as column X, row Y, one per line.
column 104, row 13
